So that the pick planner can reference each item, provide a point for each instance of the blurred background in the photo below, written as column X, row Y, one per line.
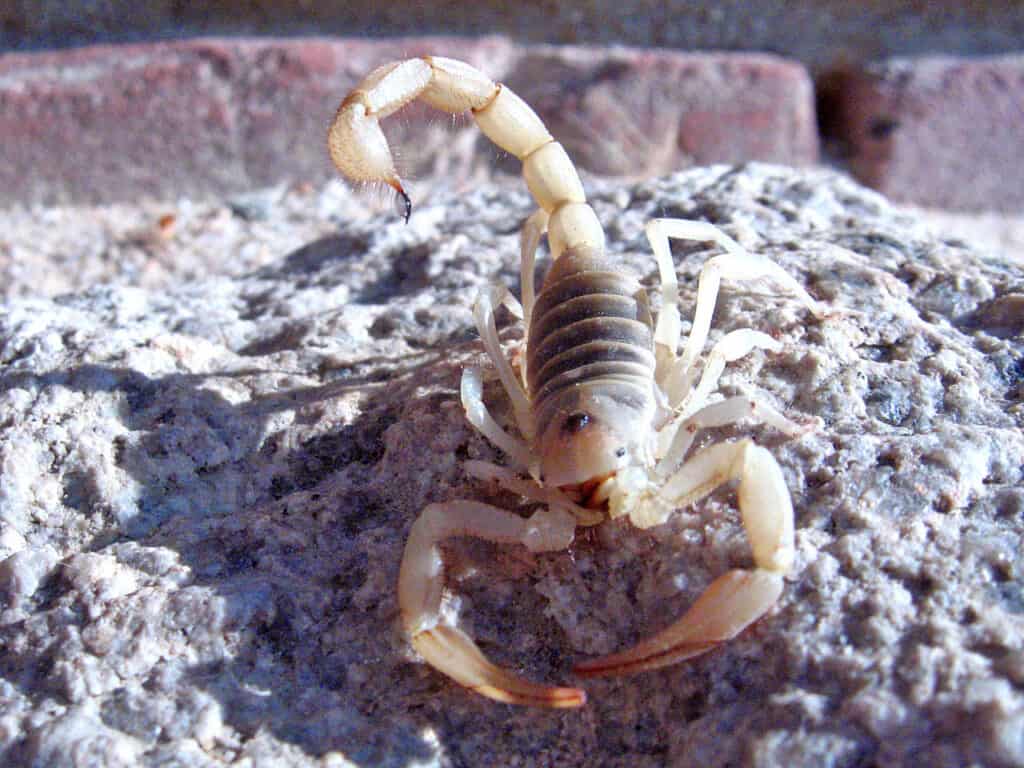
column 819, row 33
column 115, row 102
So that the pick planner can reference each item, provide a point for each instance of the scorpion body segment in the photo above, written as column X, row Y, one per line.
column 590, row 371
column 606, row 408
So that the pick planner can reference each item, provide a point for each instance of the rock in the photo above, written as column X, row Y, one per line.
column 226, row 469
column 50, row 251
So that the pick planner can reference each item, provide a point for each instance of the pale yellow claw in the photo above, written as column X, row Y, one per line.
column 732, row 602
column 738, row 598
column 451, row 651
column 421, row 583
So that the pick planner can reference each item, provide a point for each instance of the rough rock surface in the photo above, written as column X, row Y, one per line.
column 47, row 251
column 206, row 490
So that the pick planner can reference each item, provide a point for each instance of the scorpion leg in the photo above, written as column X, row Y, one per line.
column 420, row 589
column 483, row 313
column 730, row 348
column 529, row 241
column 532, row 491
column 471, row 392
column 669, row 327
column 736, row 599
column 736, row 263
column 676, row 439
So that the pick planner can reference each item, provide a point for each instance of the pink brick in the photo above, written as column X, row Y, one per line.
column 641, row 113
column 944, row 132
column 111, row 123
column 213, row 117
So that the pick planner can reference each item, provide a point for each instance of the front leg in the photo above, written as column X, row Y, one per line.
column 676, row 438
column 740, row 597
column 678, row 386
column 420, row 588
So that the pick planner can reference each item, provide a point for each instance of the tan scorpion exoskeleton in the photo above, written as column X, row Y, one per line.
column 606, row 410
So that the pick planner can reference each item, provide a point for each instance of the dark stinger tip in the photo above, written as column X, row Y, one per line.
column 406, row 204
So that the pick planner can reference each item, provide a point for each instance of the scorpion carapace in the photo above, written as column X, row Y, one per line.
column 606, row 407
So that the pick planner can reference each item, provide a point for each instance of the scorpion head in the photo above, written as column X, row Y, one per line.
column 593, row 431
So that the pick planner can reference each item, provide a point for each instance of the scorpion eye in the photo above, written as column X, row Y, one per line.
column 575, row 422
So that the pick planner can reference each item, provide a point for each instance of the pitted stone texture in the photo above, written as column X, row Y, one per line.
column 219, row 116
column 47, row 251
column 206, row 491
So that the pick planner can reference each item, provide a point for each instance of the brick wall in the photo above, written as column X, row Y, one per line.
column 216, row 116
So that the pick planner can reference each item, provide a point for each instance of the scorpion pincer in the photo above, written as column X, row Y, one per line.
column 605, row 406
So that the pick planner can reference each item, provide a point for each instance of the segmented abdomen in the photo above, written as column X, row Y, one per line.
column 590, row 328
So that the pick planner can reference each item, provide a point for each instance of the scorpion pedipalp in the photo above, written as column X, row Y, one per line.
column 420, row 588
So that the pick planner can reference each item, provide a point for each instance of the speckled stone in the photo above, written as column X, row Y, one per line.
column 206, row 489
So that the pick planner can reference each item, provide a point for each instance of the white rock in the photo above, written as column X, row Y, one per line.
column 229, row 467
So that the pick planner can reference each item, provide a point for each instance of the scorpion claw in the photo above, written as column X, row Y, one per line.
column 730, row 604
column 420, row 586
column 453, row 652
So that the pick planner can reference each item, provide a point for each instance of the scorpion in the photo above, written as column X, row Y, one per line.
column 606, row 408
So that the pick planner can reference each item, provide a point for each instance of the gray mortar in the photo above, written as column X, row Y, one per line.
column 206, row 489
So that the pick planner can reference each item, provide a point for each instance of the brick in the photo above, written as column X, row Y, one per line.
column 637, row 113
column 942, row 132
column 815, row 32
column 291, row 90
column 113, row 123
column 213, row 117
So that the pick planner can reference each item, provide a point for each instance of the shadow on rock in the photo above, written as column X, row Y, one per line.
column 283, row 614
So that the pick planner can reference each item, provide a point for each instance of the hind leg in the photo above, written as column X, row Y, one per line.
column 736, row 264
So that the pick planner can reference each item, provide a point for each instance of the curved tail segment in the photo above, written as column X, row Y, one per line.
column 361, row 153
